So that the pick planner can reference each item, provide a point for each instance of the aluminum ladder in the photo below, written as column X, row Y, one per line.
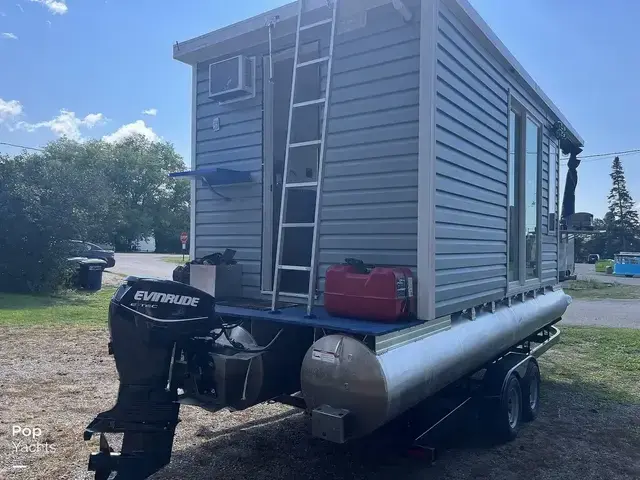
column 319, row 143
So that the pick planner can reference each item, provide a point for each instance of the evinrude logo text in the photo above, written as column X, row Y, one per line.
column 166, row 298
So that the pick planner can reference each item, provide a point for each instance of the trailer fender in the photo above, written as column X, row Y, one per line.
column 498, row 373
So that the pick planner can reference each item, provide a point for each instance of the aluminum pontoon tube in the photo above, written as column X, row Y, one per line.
column 342, row 372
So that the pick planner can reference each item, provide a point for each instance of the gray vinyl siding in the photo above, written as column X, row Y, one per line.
column 549, row 238
column 237, row 223
column 370, row 193
column 472, row 95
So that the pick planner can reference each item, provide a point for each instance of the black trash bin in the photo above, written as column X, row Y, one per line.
column 90, row 274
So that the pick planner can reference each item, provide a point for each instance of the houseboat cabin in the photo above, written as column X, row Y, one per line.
column 379, row 180
column 414, row 139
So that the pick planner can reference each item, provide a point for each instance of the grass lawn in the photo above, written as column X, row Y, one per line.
column 591, row 289
column 177, row 259
column 604, row 362
column 68, row 308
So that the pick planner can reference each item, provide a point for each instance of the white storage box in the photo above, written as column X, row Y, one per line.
column 221, row 281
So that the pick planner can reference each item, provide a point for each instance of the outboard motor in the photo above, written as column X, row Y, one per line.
column 150, row 322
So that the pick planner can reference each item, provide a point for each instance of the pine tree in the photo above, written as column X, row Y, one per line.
column 623, row 224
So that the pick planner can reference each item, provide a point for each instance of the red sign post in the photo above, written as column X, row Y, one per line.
column 183, row 239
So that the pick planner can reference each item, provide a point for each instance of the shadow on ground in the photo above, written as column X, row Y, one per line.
column 575, row 437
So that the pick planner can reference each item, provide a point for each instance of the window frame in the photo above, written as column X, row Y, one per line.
column 553, row 188
column 521, row 284
column 539, row 183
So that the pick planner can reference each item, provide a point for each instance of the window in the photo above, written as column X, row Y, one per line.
column 553, row 187
column 532, row 227
column 523, row 196
column 513, row 273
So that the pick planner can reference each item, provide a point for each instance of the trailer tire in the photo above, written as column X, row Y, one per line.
column 531, row 392
column 504, row 416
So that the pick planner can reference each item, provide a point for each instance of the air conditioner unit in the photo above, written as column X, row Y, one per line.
column 232, row 79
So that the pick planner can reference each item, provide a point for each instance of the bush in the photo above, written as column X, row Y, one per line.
column 38, row 212
column 95, row 191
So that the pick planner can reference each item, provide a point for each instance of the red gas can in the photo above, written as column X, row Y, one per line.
column 369, row 293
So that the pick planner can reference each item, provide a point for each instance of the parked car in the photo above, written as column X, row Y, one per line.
column 593, row 258
column 91, row 250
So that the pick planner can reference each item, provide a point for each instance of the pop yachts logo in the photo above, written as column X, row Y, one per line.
column 142, row 295
column 27, row 440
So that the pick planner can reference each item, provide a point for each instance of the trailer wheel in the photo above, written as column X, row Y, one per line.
column 505, row 416
column 531, row 392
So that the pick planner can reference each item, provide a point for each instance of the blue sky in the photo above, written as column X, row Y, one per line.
column 90, row 68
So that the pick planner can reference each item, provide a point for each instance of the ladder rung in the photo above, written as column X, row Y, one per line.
column 301, row 184
column 309, row 102
column 316, row 24
column 313, row 62
column 305, row 144
column 298, row 225
column 296, row 268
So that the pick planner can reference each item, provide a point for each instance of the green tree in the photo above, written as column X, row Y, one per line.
column 623, row 225
column 172, row 217
column 97, row 191
column 134, row 190
column 43, row 202
column 138, row 171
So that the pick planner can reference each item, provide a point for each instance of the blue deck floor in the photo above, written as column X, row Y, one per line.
column 296, row 315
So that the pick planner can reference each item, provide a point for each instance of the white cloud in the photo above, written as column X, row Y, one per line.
column 9, row 35
column 49, row 22
column 137, row 127
column 66, row 124
column 93, row 119
column 20, row 7
column 150, row 111
column 9, row 109
column 57, row 7
column 2, row 14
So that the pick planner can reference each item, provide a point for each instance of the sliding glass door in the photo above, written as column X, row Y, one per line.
column 523, row 202
column 532, row 225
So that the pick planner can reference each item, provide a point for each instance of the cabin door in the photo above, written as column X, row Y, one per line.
column 303, row 166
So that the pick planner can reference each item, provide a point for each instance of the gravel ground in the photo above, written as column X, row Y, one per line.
column 587, row 271
column 143, row 265
column 58, row 380
column 603, row 313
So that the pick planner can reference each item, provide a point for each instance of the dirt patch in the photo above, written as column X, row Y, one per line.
column 59, row 379
column 110, row 279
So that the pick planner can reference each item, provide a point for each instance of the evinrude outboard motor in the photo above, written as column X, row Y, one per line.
column 169, row 347
column 149, row 321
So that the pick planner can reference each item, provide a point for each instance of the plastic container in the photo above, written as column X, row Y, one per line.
column 90, row 274
column 379, row 293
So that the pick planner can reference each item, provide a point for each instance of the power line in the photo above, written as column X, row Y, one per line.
column 22, row 146
column 605, row 156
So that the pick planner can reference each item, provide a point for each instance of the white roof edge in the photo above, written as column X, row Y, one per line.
column 182, row 51
column 519, row 69
column 187, row 51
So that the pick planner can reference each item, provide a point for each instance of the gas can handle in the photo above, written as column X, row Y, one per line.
column 357, row 264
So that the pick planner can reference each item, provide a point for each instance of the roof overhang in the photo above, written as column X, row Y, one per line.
column 254, row 31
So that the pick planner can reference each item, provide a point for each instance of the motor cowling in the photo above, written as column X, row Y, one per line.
column 150, row 323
